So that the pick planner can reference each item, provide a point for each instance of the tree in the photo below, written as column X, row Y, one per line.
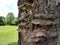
column 2, row 20
column 15, row 21
column 9, row 18
column 38, row 22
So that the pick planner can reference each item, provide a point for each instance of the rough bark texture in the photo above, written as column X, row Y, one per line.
column 39, row 22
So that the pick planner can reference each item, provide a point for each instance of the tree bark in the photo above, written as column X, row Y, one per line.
column 38, row 22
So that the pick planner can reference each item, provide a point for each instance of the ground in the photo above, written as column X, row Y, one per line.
column 8, row 35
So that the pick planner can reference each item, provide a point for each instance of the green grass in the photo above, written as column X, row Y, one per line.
column 8, row 35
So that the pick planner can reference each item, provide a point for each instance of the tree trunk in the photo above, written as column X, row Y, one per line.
column 38, row 22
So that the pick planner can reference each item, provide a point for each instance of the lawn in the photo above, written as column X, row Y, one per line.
column 8, row 35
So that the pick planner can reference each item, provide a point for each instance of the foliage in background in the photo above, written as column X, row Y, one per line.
column 9, row 19
column 2, row 20
column 15, row 21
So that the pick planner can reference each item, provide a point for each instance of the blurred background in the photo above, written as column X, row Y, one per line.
column 8, row 22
